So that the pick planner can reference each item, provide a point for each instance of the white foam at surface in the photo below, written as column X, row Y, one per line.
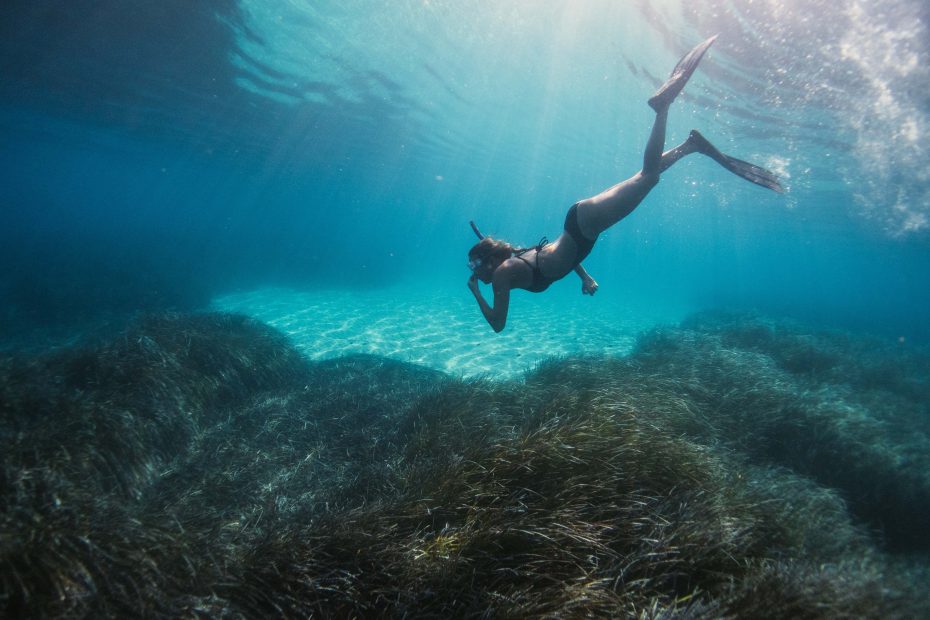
column 891, row 122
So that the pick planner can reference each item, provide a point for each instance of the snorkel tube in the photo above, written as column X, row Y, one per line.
column 475, row 228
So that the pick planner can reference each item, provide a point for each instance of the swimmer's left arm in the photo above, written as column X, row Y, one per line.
column 496, row 316
column 588, row 285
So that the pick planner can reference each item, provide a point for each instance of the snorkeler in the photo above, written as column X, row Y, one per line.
column 533, row 269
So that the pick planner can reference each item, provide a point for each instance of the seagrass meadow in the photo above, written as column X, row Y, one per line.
column 198, row 465
column 243, row 373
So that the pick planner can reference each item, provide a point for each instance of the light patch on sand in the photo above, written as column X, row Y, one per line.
column 442, row 330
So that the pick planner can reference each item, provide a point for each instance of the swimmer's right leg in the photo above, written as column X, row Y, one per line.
column 680, row 76
column 600, row 212
column 661, row 101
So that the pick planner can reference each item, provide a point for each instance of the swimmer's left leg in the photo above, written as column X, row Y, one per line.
column 598, row 213
column 750, row 172
column 697, row 143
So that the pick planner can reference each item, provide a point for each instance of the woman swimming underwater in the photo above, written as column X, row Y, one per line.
column 533, row 269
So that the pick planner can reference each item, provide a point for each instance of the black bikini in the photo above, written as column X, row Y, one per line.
column 540, row 282
column 582, row 243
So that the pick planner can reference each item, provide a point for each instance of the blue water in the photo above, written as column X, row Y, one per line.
column 314, row 164
column 169, row 155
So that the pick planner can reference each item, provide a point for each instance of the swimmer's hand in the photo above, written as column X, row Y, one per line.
column 473, row 284
column 588, row 286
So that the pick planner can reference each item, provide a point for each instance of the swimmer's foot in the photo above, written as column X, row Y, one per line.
column 680, row 76
column 750, row 172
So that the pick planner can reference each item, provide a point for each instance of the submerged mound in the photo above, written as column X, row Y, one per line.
column 851, row 413
column 197, row 465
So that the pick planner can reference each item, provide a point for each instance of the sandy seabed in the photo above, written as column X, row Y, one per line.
column 444, row 330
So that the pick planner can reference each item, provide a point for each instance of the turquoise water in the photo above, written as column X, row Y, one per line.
column 241, row 374
column 262, row 156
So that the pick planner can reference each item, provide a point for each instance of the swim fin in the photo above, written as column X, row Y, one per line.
column 680, row 76
column 750, row 172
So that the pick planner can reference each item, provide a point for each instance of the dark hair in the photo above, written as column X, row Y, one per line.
column 490, row 247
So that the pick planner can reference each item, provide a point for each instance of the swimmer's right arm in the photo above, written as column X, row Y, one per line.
column 588, row 285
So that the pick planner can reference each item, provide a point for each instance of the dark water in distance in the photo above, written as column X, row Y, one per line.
column 155, row 155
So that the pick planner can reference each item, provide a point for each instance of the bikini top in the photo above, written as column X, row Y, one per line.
column 540, row 282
